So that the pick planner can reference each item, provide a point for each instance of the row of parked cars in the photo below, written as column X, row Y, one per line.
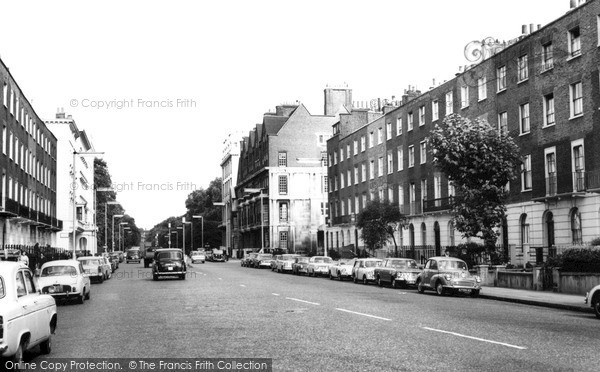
column 444, row 275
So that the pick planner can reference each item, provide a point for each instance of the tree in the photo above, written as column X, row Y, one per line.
column 378, row 222
column 102, row 179
column 480, row 162
column 200, row 202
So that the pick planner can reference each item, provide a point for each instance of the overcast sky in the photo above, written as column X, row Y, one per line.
column 217, row 66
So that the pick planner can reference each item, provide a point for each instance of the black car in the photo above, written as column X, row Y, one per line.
column 168, row 262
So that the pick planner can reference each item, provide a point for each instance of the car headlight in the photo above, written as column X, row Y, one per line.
column 448, row 276
column 478, row 279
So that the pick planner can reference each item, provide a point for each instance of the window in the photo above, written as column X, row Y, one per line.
column 390, row 194
column 348, row 151
column 379, row 136
column 411, row 156
column 437, row 186
column 410, row 121
column 576, row 226
column 423, row 189
column 364, row 200
column 356, row 204
column 503, row 123
column 5, row 94
column 363, row 145
column 524, row 231
column 325, row 185
column 550, row 170
column 323, row 158
column 282, row 159
column 343, row 208
column 576, row 94
column 481, row 88
column 283, row 185
column 380, row 194
column 400, row 159
column 283, row 212
column 421, row 115
column 371, row 140
column 363, row 172
column 464, row 97
column 356, row 174
column 4, row 139
column 342, row 180
column 388, row 131
column 283, row 239
column 372, row 169
column 547, row 57
column 574, row 42
column 526, row 173
column 501, row 78
column 524, row 118
column 349, row 177
column 423, row 152
column 380, row 166
column 435, row 112
column 355, row 147
column 390, row 163
column 401, row 197
column 523, row 68
column 449, row 104
column 578, row 165
column 549, row 109
column 341, row 154
column 335, row 157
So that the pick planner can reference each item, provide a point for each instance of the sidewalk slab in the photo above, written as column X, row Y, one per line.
column 537, row 298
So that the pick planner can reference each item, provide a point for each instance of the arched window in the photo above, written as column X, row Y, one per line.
column 411, row 236
column 524, row 230
column 423, row 234
column 576, row 226
column 451, row 234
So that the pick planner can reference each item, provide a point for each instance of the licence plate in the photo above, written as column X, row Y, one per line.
column 465, row 290
column 170, row 268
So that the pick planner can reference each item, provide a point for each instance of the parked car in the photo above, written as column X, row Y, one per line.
column 64, row 280
column 341, row 269
column 364, row 269
column 397, row 272
column 262, row 260
column 133, row 255
column 448, row 275
column 197, row 256
column 300, row 265
column 106, row 267
column 93, row 267
column 593, row 299
column 113, row 262
column 275, row 261
column 27, row 317
column 168, row 262
column 319, row 265
column 285, row 263
column 114, row 256
column 247, row 260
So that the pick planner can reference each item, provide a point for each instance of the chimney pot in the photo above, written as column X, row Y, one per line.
column 531, row 28
column 524, row 29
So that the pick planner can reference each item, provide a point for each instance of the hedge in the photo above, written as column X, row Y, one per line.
column 586, row 260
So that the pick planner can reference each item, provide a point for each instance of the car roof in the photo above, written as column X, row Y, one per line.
column 370, row 259
column 61, row 263
column 446, row 258
column 88, row 257
column 10, row 266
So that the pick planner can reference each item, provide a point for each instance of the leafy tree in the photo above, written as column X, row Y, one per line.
column 480, row 162
column 102, row 179
column 378, row 222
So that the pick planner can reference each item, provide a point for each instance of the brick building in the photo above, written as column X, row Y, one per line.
column 543, row 88
column 28, row 163
column 282, row 185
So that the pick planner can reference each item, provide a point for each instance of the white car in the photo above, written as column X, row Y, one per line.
column 197, row 256
column 94, row 267
column 319, row 265
column 364, row 269
column 27, row 318
column 341, row 269
column 592, row 298
column 65, row 279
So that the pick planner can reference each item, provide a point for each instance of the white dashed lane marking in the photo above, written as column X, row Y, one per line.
column 367, row 315
column 475, row 338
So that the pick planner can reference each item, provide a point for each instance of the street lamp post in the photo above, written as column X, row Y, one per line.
column 74, row 188
column 201, row 218
column 112, row 202
column 169, row 234
column 121, row 240
column 112, row 235
column 183, row 227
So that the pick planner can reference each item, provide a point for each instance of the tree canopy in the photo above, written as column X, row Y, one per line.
column 480, row 162
column 378, row 222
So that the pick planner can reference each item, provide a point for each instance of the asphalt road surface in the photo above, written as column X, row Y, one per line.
column 223, row 310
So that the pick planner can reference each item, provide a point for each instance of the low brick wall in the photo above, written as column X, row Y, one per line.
column 515, row 280
column 577, row 283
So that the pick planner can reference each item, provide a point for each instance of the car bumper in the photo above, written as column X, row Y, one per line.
column 321, row 271
column 166, row 273
column 453, row 286
column 286, row 269
column 585, row 300
column 261, row 265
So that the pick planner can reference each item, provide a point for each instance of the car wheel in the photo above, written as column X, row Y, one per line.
column 439, row 288
column 420, row 287
column 18, row 357
column 101, row 280
column 354, row 279
column 339, row 276
column 596, row 305
column 182, row 277
column 154, row 277
column 365, row 280
column 46, row 346
column 330, row 276
column 81, row 299
column 379, row 283
column 88, row 294
column 394, row 284
column 475, row 293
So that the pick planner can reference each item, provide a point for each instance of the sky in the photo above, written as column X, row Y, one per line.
column 158, row 85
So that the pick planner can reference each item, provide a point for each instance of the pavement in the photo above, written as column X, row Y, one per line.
column 537, row 298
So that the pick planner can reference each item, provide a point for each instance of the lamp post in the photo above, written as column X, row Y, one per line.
column 112, row 235
column 183, row 227
column 120, row 240
column 74, row 188
column 169, row 234
column 202, row 218
column 112, row 202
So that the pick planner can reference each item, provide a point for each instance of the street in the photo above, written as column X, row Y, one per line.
column 223, row 310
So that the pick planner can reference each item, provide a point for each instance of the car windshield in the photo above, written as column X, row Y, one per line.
column 302, row 259
column 91, row 262
column 323, row 260
column 169, row 256
column 372, row 263
column 452, row 265
column 59, row 271
column 410, row 264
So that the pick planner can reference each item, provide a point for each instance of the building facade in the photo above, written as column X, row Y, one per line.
column 229, row 168
column 28, row 212
column 281, row 192
column 76, row 188
column 543, row 88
